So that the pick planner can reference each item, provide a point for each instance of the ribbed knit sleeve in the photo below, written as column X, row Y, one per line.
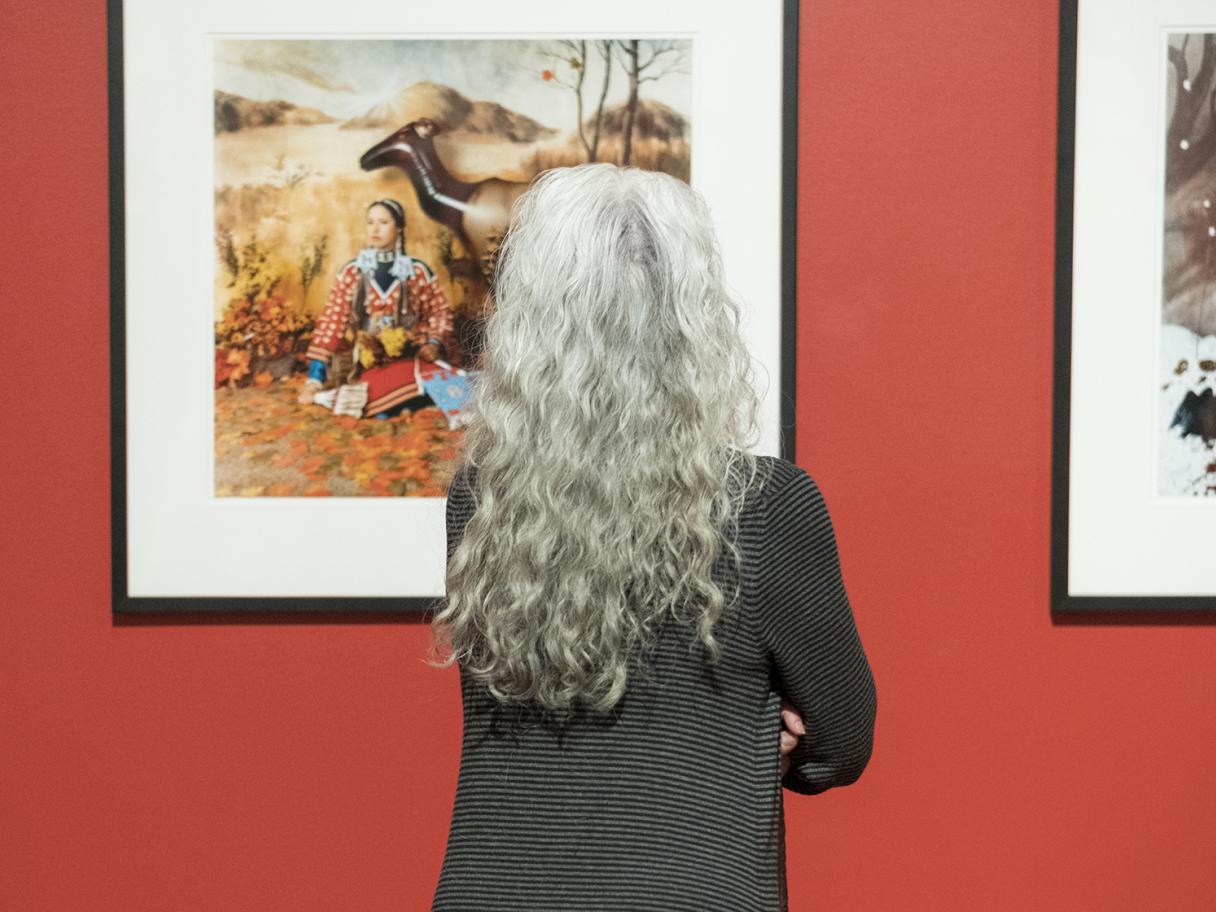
column 458, row 508
column 806, row 624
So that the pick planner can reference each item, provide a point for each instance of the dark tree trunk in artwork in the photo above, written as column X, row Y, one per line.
column 631, row 107
column 1194, row 96
column 605, row 48
column 578, row 93
column 574, row 55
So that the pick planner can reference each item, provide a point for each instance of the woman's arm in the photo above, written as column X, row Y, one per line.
column 434, row 325
column 316, row 379
column 331, row 322
column 806, row 623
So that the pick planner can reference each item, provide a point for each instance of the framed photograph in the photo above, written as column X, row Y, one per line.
column 1134, row 456
column 306, row 202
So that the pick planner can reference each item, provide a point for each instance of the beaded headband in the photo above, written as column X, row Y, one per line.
column 394, row 207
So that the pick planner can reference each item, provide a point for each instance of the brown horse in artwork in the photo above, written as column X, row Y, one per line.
column 477, row 212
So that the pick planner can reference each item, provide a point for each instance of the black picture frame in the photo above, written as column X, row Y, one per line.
column 342, row 608
column 1062, row 603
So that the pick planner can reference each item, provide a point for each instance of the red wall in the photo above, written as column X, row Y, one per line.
column 1019, row 764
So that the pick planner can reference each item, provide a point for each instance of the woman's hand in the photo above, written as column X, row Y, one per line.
column 792, row 730
column 311, row 387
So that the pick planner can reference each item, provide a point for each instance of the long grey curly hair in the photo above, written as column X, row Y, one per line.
column 615, row 409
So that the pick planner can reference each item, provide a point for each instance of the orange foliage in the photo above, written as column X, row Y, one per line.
column 262, row 328
column 269, row 445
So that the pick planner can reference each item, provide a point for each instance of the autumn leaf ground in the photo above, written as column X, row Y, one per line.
column 268, row 445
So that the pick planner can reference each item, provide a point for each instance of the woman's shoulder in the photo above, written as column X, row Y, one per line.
column 773, row 474
column 779, row 471
column 790, row 496
column 784, row 487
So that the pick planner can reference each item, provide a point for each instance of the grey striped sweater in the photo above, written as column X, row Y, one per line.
column 673, row 801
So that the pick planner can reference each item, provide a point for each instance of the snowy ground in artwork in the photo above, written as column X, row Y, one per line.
column 1184, row 464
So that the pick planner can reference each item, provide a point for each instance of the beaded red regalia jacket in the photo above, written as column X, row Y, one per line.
column 425, row 305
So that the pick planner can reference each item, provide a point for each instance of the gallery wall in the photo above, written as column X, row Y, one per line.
column 1019, row 763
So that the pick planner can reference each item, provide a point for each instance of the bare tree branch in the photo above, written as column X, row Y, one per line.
column 658, row 49
column 572, row 54
column 661, row 58
column 605, row 49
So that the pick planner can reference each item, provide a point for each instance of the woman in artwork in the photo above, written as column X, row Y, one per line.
column 385, row 324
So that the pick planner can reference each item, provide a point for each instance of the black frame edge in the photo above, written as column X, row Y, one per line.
column 1062, row 360
column 789, row 231
column 119, row 597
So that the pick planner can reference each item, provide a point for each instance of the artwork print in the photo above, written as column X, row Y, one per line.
column 1134, row 409
column 361, row 190
column 1187, row 367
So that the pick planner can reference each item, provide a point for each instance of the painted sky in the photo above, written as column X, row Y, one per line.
column 344, row 77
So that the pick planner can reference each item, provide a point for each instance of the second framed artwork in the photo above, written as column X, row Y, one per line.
column 306, row 202
column 1134, row 474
